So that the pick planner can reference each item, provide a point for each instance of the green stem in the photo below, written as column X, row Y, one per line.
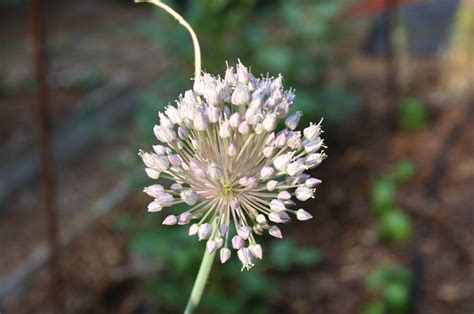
column 200, row 282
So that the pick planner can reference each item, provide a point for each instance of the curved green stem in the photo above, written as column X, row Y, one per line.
column 200, row 282
column 182, row 21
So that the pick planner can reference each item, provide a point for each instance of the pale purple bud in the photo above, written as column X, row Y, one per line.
column 271, row 185
column 154, row 206
column 293, row 120
column 280, row 140
column 200, row 122
column 205, row 231
column 254, row 118
column 170, row 220
column 237, row 242
column 212, row 96
column 302, row 214
column 244, row 128
column 152, row 173
column 243, row 181
column 275, row 217
column 269, row 123
column 182, row 133
column 164, row 134
column 165, row 122
column 175, row 160
column 244, row 232
column 252, row 182
column 281, row 162
column 268, row 151
column 312, row 182
column 184, row 218
column 243, row 74
column 256, row 250
column 277, row 83
column 234, row 203
column 270, row 138
column 231, row 150
column 303, row 193
column 193, row 229
column 223, row 230
column 275, row 232
column 241, row 95
column 266, row 173
column 261, row 219
column 294, row 140
column 225, row 255
column 166, row 199
column 213, row 114
column 173, row 114
column 234, row 120
column 257, row 229
column 224, row 130
column 312, row 132
column 190, row 197
column 314, row 160
column 211, row 246
column 277, row 205
column 176, row 187
column 284, row 195
column 284, row 217
column 230, row 77
column 312, row 146
column 154, row 190
column 245, row 257
column 295, row 168
column 160, row 149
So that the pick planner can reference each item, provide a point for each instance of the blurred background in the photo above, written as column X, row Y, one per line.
column 393, row 227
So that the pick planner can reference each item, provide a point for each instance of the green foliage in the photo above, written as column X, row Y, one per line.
column 404, row 171
column 383, row 195
column 391, row 286
column 395, row 225
column 284, row 255
column 412, row 114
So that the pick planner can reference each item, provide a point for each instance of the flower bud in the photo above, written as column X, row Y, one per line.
column 223, row 230
column 234, row 120
column 244, row 232
column 303, row 193
column 312, row 182
column 211, row 246
column 284, row 195
column 266, row 173
column 281, row 162
column 269, row 123
column 244, row 128
column 312, row 132
column 241, row 95
column 271, row 185
column 231, row 150
column 193, row 229
column 154, row 190
column 190, row 197
column 293, row 120
column 200, row 122
column 184, row 218
column 256, row 250
column 301, row 214
column 275, row 232
column 204, row 231
column 237, row 242
column 225, row 255
column 152, row 173
column 170, row 220
column 154, row 206
column 277, row 205
column 269, row 151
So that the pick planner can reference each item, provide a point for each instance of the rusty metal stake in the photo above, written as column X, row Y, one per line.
column 43, row 125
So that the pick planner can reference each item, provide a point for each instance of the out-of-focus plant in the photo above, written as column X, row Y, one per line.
column 412, row 114
column 393, row 224
column 390, row 286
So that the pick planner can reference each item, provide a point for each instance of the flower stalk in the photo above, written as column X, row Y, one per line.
column 200, row 282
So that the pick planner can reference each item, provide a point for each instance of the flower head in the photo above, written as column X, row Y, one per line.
column 219, row 146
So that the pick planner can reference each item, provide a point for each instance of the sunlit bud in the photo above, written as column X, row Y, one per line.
column 266, row 173
column 184, row 218
column 234, row 120
column 176, row 187
column 211, row 94
column 275, row 231
column 200, row 122
column 277, row 205
column 277, row 83
column 230, row 77
column 241, row 95
column 280, row 140
column 152, row 173
column 190, row 197
column 244, row 128
column 257, row 229
column 173, row 114
column 223, row 229
column 175, row 160
column 256, row 250
column 243, row 181
column 271, row 185
column 225, row 255
column 275, row 217
column 213, row 114
column 224, row 130
column 193, row 229
column 155, row 206
column 312, row 182
column 284, row 195
column 303, row 193
column 244, row 232
column 237, row 242
column 205, row 231
column 269, row 123
column 160, row 149
column 295, row 168
column 170, row 220
column 294, row 140
column 312, row 132
column 154, row 190
column 293, row 120
column 302, row 214
column 211, row 246
column 231, row 150
column 281, row 162
column 269, row 151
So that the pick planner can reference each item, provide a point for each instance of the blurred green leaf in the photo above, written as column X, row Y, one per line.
column 285, row 254
column 397, row 297
column 404, row 170
column 383, row 195
column 395, row 225
column 376, row 307
column 412, row 114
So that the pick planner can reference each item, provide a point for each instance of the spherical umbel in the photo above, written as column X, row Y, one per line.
column 230, row 165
